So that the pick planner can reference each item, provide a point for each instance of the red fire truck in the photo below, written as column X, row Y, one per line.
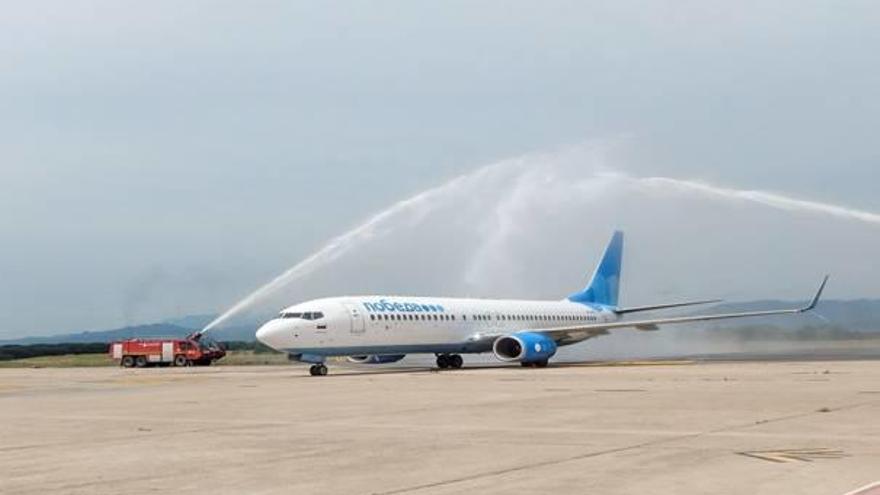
column 192, row 350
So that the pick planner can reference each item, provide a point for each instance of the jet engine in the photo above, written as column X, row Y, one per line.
column 525, row 347
column 376, row 359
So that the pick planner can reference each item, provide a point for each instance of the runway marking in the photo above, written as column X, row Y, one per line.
column 795, row 455
column 872, row 489
column 600, row 453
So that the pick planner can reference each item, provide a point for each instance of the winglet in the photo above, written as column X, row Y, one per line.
column 818, row 296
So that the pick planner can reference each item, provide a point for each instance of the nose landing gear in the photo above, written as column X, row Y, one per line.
column 445, row 361
column 318, row 370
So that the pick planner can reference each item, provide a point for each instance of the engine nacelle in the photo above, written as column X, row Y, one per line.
column 524, row 347
column 375, row 359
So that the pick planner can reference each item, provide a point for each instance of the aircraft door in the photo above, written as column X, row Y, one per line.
column 358, row 325
column 495, row 319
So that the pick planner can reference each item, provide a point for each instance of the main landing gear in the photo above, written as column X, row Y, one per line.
column 318, row 370
column 453, row 361
column 535, row 364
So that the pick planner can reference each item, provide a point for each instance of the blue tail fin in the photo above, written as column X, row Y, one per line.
column 605, row 285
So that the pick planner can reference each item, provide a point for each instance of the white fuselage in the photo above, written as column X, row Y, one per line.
column 384, row 325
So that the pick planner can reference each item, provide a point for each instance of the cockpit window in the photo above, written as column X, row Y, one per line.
column 291, row 315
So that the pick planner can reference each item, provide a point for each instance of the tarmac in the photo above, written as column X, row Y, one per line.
column 668, row 427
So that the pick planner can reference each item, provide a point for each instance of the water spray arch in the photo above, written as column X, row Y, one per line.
column 498, row 196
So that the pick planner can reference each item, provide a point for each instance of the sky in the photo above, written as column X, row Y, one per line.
column 159, row 159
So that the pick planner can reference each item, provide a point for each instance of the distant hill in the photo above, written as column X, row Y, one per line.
column 239, row 333
column 154, row 330
column 831, row 320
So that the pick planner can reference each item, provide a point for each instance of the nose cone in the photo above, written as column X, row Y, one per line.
column 272, row 334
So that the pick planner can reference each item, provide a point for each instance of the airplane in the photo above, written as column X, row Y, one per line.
column 384, row 329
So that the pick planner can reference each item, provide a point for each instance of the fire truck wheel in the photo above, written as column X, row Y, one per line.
column 140, row 361
column 128, row 361
column 180, row 360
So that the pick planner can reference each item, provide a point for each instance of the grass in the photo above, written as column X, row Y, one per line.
column 233, row 358
column 250, row 358
column 63, row 361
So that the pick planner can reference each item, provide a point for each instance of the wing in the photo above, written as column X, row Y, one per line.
column 637, row 309
column 572, row 334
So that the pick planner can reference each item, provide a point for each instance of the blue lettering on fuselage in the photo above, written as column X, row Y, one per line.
column 384, row 305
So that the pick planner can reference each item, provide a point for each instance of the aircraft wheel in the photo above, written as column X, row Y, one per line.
column 542, row 364
column 318, row 370
column 455, row 361
column 140, row 361
column 128, row 362
column 442, row 361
